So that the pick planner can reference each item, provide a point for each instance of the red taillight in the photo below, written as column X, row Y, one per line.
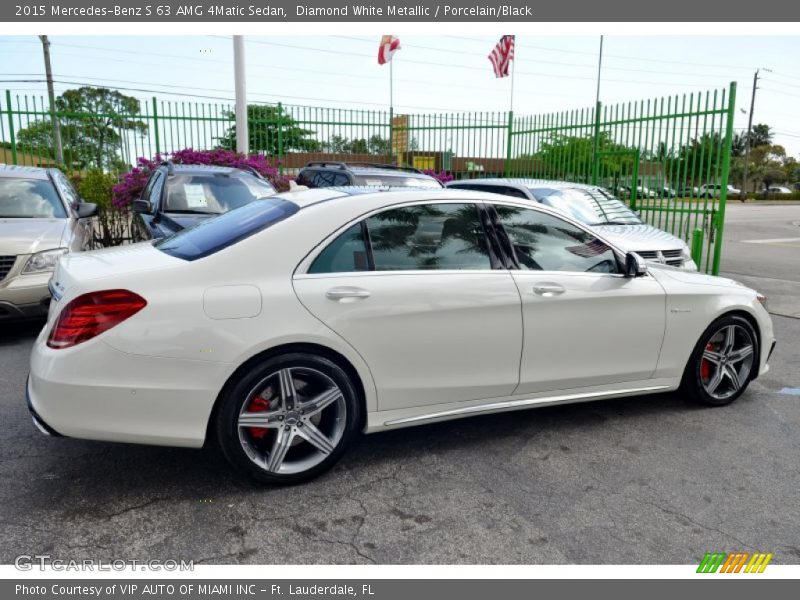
column 91, row 314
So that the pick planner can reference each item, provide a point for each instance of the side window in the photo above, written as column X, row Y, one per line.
column 304, row 178
column 149, row 185
column 432, row 236
column 341, row 179
column 324, row 178
column 345, row 254
column 155, row 191
column 546, row 243
column 65, row 188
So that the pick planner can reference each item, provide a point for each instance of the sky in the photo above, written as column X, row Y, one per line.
column 431, row 73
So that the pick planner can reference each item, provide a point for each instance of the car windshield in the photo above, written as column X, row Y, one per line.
column 589, row 206
column 22, row 198
column 399, row 181
column 214, row 194
column 212, row 235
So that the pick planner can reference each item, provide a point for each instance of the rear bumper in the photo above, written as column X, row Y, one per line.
column 37, row 420
column 95, row 392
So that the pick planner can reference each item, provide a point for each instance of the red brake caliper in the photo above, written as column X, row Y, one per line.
column 705, row 366
column 258, row 404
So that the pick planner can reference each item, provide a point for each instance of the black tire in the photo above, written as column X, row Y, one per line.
column 692, row 383
column 231, row 405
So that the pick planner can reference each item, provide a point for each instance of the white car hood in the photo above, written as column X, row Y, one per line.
column 26, row 236
column 634, row 238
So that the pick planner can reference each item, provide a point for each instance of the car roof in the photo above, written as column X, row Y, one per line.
column 314, row 196
column 23, row 172
column 525, row 182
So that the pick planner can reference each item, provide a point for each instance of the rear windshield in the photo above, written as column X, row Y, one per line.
column 213, row 194
column 29, row 199
column 212, row 235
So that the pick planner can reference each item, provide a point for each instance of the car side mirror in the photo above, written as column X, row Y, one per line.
column 86, row 209
column 635, row 265
column 142, row 206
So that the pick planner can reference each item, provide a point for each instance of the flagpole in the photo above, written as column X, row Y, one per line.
column 513, row 64
column 391, row 86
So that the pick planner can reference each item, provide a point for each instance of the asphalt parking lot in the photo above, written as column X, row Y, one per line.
column 641, row 480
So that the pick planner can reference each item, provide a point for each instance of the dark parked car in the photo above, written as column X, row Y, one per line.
column 336, row 174
column 179, row 196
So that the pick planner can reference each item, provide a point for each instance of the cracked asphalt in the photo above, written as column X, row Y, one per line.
column 652, row 479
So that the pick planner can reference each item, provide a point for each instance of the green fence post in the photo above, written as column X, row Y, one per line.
column 697, row 246
column 726, row 169
column 155, row 126
column 509, row 133
column 635, row 179
column 280, row 138
column 391, row 135
column 11, row 136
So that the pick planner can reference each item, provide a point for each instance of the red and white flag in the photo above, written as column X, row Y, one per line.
column 502, row 55
column 389, row 45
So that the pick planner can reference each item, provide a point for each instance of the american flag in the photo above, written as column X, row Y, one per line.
column 389, row 45
column 502, row 55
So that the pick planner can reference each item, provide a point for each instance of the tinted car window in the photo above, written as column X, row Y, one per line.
column 433, row 236
column 213, row 193
column 546, row 243
column 347, row 253
column 29, row 198
column 212, row 235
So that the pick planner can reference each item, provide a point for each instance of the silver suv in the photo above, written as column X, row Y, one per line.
column 41, row 218
column 597, row 208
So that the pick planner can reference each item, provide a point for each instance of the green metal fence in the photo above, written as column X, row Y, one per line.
column 669, row 157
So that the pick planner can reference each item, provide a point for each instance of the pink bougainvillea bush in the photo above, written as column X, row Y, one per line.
column 132, row 183
column 442, row 176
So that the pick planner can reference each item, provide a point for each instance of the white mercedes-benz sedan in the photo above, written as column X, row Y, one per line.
column 282, row 329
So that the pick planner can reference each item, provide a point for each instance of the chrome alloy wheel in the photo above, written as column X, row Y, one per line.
column 727, row 361
column 292, row 420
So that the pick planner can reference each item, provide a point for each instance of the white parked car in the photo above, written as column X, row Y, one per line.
column 285, row 327
column 714, row 190
column 599, row 209
column 778, row 189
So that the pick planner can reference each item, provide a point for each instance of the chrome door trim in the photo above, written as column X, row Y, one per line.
column 467, row 410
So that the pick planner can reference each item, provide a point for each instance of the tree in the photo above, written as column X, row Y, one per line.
column 342, row 145
column 94, row 126
column 760, row 135
column 270, row 129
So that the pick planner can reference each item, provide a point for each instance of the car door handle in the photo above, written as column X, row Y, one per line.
column 548, row 289
column 344, row 292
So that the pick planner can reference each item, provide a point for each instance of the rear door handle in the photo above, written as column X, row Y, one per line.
column 345, row 292
column 548, row 290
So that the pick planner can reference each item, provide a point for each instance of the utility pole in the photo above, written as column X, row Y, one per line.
column 749, row 132
column 599, row 68
column 242, row 135
column 59, row 149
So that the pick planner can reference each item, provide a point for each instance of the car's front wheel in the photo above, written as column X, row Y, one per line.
column 723, row 362
column 288, row 419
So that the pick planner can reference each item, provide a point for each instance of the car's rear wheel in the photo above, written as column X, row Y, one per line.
column 288, row 419
column 723, row 362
